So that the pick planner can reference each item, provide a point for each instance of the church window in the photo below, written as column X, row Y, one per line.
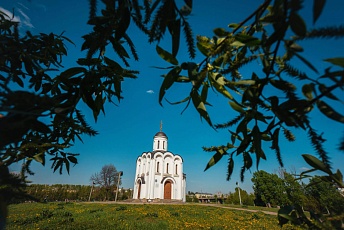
column 167, row 168
column 176, row 169
column 158, row 144
column 157, row 167
column 163, row 144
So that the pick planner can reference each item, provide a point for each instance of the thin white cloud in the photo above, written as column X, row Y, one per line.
column 10, row 15
column 302, row 169
column 150, row 91
column 22, row 5
column 27, row 20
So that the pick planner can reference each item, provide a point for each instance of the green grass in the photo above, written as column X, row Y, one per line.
column 120, row 216
column 260, row 208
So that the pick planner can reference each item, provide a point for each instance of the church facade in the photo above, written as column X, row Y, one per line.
column 159, row 174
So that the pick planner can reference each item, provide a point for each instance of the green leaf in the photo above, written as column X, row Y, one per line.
column 168, row 81
column 192, row 70
column 247, row 160
column 220, row 32
column 111, row 63
column 316, row 163
column 230, row 168
column 298, row 26
column 174, row 28
column 289, row 217
column 307, row 90
column 237, row 44
column 204, row 93
column 73, row 159
column 40, row 158
column 236, row 106
column 118, row 48
column 204, row 48
column 339, row 61
column 243, row 145
column 40, row 127
column 216, row 158
column 329, row 111
column 257, row 141
column 306, row 62
column 124, row 22
column 318, row 6
column 187, row 8
column 283, row 214
column 323, row 90
column 183, row 79
column 179, row 102
column 99, row 104
column 307, row 171
column 88, row 61
column 233, row 25
column 275, row 139
column 67, row 165
column 72, row 72
column 200, row 106
column 58, row 164
column 235, row 136
column 166, row 55
column 118, row 89
column 295, row 47
column 283, row 85
column 218, row 81
column 243, row 82
column 246, row 39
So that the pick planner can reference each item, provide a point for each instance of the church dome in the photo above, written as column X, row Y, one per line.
column 160, row 134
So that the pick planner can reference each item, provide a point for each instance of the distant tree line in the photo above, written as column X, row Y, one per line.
column 282, row 189
column 270, row 189
column 317, row 196
column 67, row 192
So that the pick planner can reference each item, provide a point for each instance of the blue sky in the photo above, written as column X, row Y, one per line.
column 128, row 129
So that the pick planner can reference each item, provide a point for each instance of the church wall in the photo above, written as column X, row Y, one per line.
column 155, row 168
column 160, row 143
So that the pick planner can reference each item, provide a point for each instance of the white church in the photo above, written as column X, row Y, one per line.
column 159, row 174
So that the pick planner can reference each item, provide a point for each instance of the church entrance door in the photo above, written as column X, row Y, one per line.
column 167, row 190
column 139, row 191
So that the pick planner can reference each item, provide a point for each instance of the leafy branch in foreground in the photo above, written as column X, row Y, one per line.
column 269, row 35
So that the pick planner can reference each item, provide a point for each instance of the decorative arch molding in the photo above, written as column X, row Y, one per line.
column 158, row 155
column 178, row 157
column 164, row 179
column 141, row 180
column 168, row 155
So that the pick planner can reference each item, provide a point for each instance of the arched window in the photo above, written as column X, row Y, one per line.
column 167, row 168
column 176, row 169
column 157, row 166
column 158, row 144
column 163, row 144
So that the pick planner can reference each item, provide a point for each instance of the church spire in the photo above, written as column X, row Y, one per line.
column 160, row 140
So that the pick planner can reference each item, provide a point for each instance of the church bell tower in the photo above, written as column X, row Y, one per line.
column 160, row 140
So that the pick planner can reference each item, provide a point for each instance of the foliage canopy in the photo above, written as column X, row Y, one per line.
column 39, row 116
